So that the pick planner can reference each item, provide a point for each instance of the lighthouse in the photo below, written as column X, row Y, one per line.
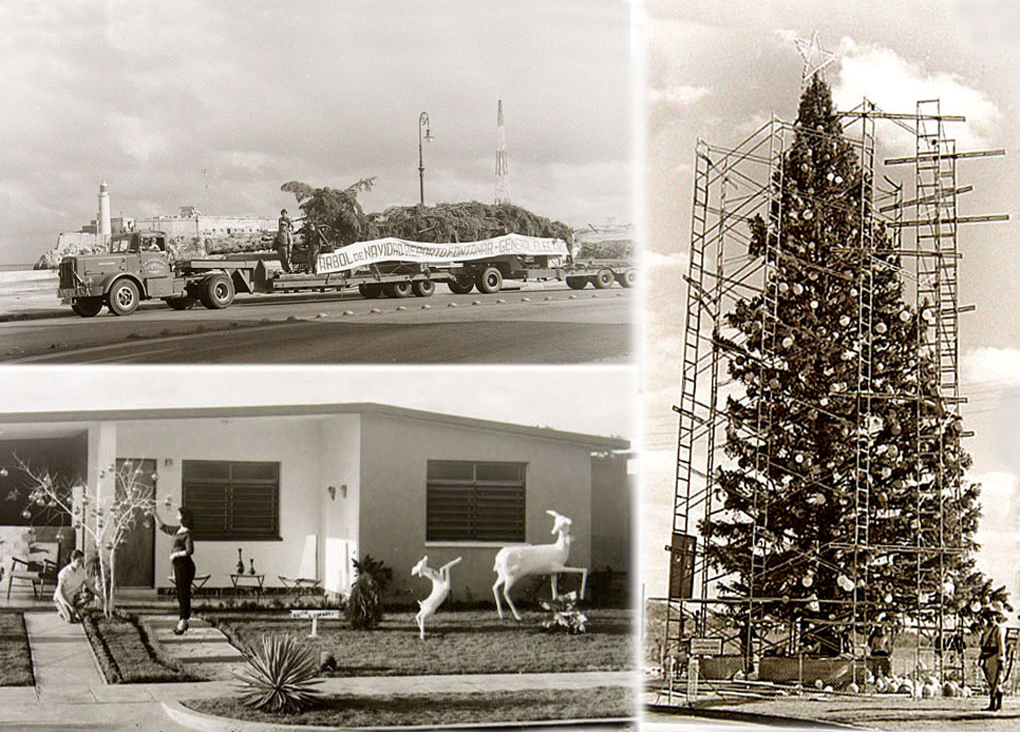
column 103, row 219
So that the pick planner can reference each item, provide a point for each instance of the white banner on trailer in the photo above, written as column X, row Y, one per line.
column 362, row 253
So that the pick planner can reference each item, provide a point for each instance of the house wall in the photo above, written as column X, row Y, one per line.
column 611, row 513
column 296, row 443
column 339, row 446
column 394, row 457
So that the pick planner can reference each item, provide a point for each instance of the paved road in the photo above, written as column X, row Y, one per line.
column 549, row 325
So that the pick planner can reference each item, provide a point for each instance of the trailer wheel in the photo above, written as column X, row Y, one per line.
column 628, row 278
column 489, row 280
column 423, row 288
column 461, row 285
column 397, row 289
column 185, row 301
column 216, row 291
column 87, row 307
column 603, row 279
column 577, row 283
column 370, row 291
column 122, row 299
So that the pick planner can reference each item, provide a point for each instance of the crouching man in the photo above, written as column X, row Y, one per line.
column 74, row 590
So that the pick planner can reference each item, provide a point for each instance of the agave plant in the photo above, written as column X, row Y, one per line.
column 280, row 676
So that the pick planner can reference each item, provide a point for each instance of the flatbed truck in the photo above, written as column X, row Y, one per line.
column 140, row 267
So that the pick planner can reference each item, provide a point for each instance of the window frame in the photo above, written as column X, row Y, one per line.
column 470, row 534
column 231, row 484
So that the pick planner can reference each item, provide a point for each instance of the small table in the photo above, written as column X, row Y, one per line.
column 298, row 587
column 255, row 582
column 315, row 615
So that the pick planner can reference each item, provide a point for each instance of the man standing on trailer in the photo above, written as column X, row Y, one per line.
column 284, row 230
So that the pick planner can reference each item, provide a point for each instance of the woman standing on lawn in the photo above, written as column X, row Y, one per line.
column 183, row 565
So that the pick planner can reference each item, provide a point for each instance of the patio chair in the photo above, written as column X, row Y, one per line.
column 36, row 572
column 197, row 585
column 298, row 587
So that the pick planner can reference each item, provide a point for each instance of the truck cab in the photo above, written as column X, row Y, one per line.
column 138, row 267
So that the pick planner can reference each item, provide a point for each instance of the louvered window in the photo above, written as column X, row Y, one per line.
column 232, row 500
column 469, row 501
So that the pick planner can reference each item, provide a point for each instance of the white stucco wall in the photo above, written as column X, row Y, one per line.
column 296, row 443
column 395, row 453
column 339, row 445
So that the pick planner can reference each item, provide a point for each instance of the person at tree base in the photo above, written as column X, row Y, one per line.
column 183, row 565
column 880, row 648
column 284, row 230
column 74, row 590
column 993, row 652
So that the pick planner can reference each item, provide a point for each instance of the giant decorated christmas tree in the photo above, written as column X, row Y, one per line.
column 833, row 465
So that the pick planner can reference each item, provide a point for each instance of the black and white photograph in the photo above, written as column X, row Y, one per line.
column 366, row 550
column 331, row 183
column 829, row 514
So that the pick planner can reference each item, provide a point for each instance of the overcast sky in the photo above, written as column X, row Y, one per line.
column 216, row 104
column 718, row 70
column 543, row 397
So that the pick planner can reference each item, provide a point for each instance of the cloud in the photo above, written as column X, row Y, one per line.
column 895, row 84
column 679, row 96
column 992, row 366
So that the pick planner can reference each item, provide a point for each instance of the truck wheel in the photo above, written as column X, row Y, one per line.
column 628, row 278
column 87, row 307
column 577, row 283
column 370, row 291
column 423, row 288
column 122, row 298
column 397, row 289
column 216, row 291
column 461, row 285
column 185, row 301
column 489, row 280
column 603, row 279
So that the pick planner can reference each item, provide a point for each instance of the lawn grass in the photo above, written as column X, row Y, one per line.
column 458, row 642
column 15, row 656
column 435, row 709
column 125, row 653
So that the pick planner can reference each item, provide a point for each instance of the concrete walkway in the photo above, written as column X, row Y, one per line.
column 70, row 692
column 204, row 649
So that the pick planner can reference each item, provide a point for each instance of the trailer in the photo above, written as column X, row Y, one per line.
column 140, row 266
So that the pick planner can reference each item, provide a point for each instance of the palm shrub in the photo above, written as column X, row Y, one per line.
column 364, row 607
column 280, row 676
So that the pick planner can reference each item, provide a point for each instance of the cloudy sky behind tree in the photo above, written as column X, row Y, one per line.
column 717, row 71
column 216, row 104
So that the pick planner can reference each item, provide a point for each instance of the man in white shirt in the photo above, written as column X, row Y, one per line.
column 73, row 586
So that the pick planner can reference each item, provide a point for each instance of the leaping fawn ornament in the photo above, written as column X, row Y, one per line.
column 440, row 589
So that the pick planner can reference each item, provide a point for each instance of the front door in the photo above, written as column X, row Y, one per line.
column 136, row 557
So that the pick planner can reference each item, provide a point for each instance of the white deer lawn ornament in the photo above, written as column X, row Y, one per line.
column 514, row 562
column 440, row 589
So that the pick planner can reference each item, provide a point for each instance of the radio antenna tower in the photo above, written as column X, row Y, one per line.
column 502, row 166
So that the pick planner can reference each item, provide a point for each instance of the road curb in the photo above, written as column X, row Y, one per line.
column 187, row 717
column 732, row 715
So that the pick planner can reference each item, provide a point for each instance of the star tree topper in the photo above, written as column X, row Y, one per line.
column 815, row 57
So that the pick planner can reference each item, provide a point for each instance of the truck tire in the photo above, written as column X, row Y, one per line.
column 397, row 289
column 185, row 301
column 370, row 291
column 628, row 278
column 87, row 307
column 122, row 299
column 216, row 291
column 423, row 288
column 489, row 280
column 603, row 279
column 461, row 285
column 577, row 283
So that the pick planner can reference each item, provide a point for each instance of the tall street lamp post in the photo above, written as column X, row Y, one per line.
column 423, row 124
